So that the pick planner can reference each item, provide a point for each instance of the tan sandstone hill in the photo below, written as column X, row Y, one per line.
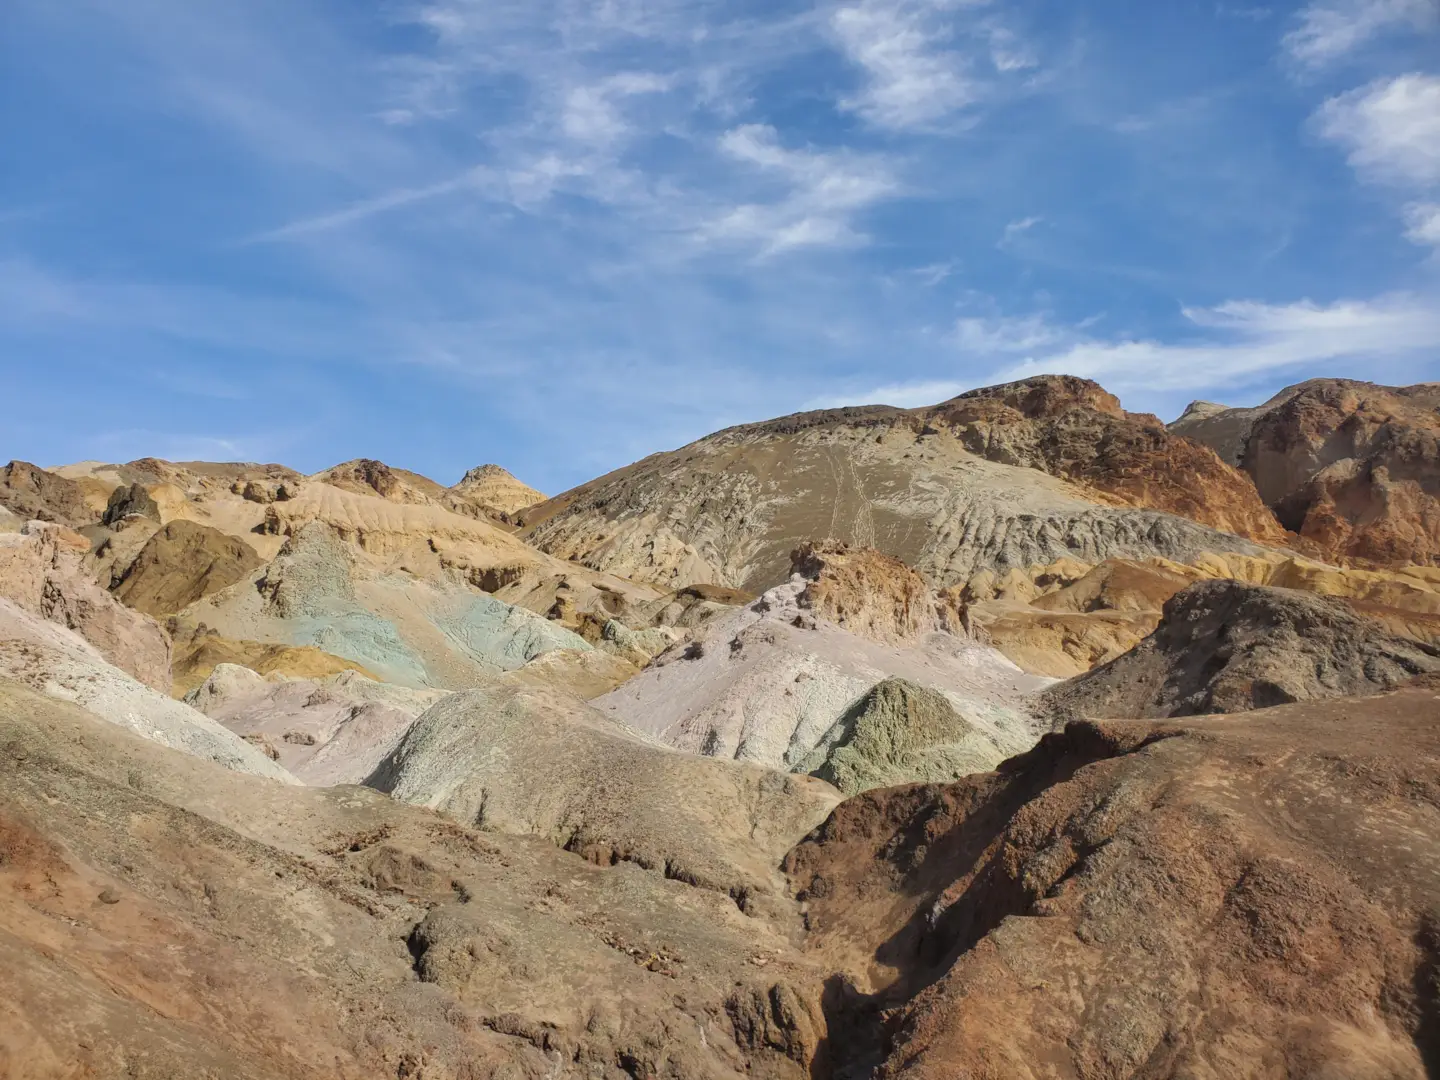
column 1014, row 476
column 489, row 489
column 1352, row 467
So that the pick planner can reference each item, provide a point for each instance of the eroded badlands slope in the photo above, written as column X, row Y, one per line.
column 1013, row 476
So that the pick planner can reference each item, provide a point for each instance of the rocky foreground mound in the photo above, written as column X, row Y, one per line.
column 163, row 918
column 1224, row 646
column 539, row 762
column 1241, row 897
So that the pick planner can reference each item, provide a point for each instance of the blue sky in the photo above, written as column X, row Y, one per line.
column 562, row 235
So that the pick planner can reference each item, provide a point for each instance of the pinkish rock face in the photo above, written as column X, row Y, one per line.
column 41, row 570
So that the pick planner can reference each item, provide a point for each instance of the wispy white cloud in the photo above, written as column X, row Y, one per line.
column 821, row 195
column 988, row 336
column 916, row 72
column 1422, row 222
column 1016, row 229
column 1329, row 30
column 1242, row 340
column 1232, row 344
column 1391, row 129
column 935, row 273
column 592, row 113
column 471, row 179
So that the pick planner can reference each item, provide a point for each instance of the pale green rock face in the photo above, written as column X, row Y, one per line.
column 420, row 633
column 902, row 733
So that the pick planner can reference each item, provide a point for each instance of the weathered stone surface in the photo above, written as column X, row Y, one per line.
column 973, row 484
column 134, row 500
column 1352, row 467
column 1246, row 896
column 869, row 593
column 180, row 564
column 1072, row 428
column 536, row 762
column 42, row 571
column 165, row 918
column 900, row 733
column 33, row 494
column 1224, row 646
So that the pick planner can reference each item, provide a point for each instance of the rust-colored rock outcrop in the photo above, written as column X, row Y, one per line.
column 1354, row 468
column 869, row 593
column 1247, row 897
column 1074, row 429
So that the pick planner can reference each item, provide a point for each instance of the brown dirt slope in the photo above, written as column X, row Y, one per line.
column 1224, row 646
column 162, row 918
column 1246, row 897
column 34, row 494
column 1352, row 467
column 181, row 563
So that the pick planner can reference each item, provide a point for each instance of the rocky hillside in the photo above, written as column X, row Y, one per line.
column 166, row 918
column 1057, row 918
column 1224, row 646
column 1249, row 896
column 1014, row 476
column 1352, row 467
column 748, row 760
